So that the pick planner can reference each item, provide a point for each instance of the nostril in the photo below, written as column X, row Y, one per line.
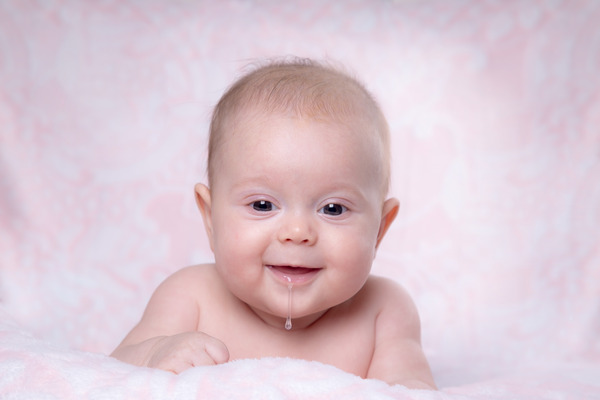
column 296, row 229
column 300, row 238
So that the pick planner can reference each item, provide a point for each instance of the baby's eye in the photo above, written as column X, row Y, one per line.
column 262, row 205
column 334, row 209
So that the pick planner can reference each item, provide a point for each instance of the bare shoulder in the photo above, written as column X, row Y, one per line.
column 397, row 316
column 389, row 296
column 177, row 298
column 189, row 278
column 199, row 271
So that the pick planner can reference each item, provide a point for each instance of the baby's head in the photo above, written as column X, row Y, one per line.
column 298, row 173
column 302, row 89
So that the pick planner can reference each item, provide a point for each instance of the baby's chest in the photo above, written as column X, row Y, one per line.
column 347, row 346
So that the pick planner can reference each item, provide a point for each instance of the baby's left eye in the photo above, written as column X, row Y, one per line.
column 262, row 206
column 334, row 209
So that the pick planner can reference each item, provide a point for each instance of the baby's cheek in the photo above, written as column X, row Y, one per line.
column 354, row 254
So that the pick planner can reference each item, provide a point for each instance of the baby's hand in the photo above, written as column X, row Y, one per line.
column 185, row 350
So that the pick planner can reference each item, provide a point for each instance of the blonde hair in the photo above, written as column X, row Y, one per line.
column 300, row 88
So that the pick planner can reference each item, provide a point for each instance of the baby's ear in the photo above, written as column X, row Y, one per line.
column 388, row 214
column 203, row 201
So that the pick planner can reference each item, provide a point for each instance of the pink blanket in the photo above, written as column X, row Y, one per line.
column 494, row 109
column 30, row 368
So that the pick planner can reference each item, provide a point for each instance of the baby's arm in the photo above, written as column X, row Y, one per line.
column 398, row 357
column 167, row 336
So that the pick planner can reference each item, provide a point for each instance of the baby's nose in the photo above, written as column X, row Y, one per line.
column 298, row 229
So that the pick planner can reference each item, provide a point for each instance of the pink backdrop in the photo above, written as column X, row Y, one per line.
column 494, row 109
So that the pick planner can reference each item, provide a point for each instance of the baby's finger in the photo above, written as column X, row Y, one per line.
column 175, row 365
column 201, row 358
column 216, row 350
column 180, row 364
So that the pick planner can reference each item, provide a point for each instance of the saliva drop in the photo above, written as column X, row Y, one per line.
column 288, row 321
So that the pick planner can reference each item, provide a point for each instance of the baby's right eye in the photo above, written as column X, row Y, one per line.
column 262, row 205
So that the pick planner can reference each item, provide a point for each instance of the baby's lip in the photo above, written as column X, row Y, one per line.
column 293, row 269
column 294, row 274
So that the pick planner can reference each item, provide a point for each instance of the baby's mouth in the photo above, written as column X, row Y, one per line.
column 290, row 270
column 293, row 274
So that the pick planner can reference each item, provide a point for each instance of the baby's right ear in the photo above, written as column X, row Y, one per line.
column 203, row 201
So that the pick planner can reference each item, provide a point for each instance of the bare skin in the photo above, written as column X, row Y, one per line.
column 292, row 200
column 379, row 325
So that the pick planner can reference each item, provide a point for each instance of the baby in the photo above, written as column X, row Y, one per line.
column 298, row 173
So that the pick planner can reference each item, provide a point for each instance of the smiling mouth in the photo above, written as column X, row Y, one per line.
column 293, row 274
column 290, row 270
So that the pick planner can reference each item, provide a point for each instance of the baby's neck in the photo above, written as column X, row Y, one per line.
column 280, row 322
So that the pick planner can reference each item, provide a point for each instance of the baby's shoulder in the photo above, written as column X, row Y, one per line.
column 194, row 278
column 385, row 288
column 193, row 272
column 393, row 303
column 387, row 294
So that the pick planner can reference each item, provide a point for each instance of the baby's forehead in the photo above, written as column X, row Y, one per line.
column 297, row 145
column 355, row 141
column 357, row 128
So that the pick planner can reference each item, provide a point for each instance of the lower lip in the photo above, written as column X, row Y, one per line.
column 294, row 276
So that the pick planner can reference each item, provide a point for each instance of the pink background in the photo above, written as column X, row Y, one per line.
column 494, row 108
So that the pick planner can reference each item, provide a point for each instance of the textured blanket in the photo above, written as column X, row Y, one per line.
column 32, row 369
column 494, row 112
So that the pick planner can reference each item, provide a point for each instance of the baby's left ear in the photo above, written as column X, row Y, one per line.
column 388, row 215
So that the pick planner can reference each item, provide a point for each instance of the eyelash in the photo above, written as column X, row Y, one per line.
column 331, row 209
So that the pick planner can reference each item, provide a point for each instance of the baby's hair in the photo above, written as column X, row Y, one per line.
column 301, row 88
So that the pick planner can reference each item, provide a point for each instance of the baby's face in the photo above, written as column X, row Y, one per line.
column 300, row 202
